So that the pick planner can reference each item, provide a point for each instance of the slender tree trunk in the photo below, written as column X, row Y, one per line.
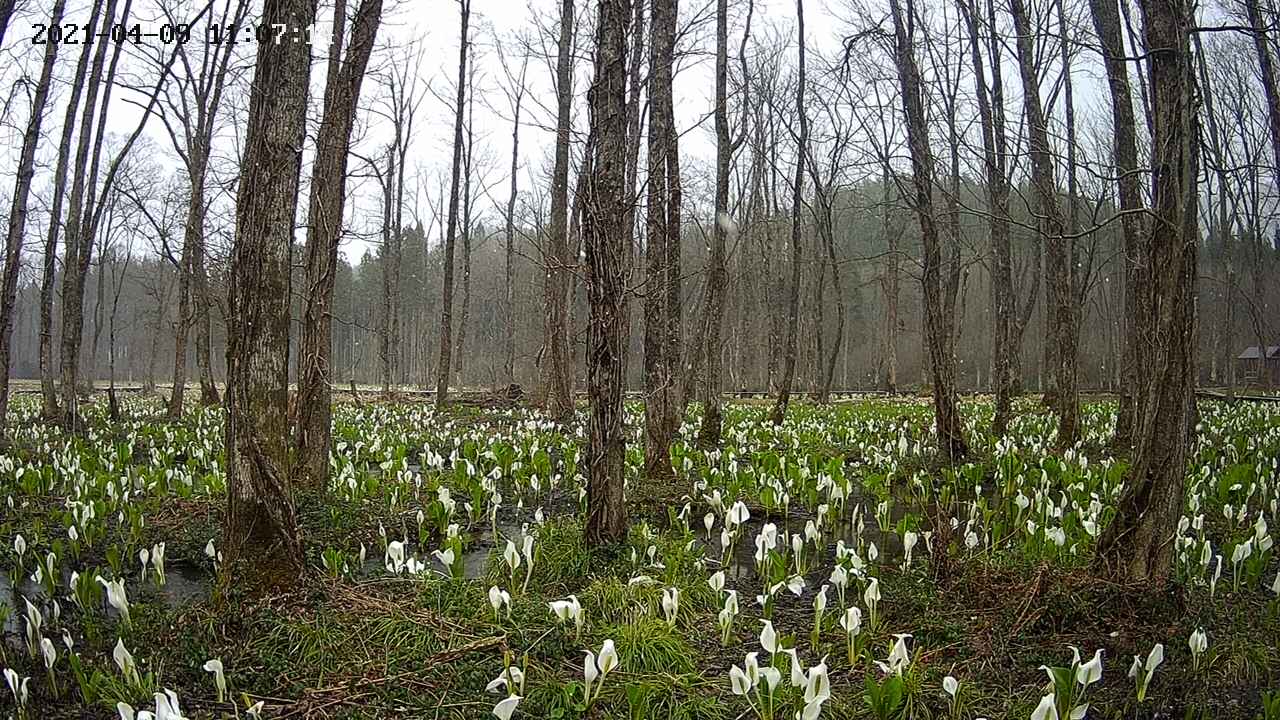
column 891, row 289
column 947, row 415
column 157, row 326
column 1224, row 227
column 797, row 196
column 192, row 232
column 451, row 232
column 1267, row 69
column 47, row 388
column 324, row 233
column 18, row 209
column 559, row 384
column 662, row 251
column 509, row 304
column 1052, row 232
column 1138, row 546
column 1106, row 21
column 463, row 319
column 1072, row 305
column 824, row 206
column 82, row 216
column 606, row 240
column 386, row 348
column 994, row 145
column 717, row 272
column 262, row 545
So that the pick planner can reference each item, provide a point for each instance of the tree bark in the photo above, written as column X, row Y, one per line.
column 47, row 279
column 1007, row 343
column 18, row 209
column 891, row 288
column 1267, row 69
column 606, row 238
column 717, row 272
column 797, row 196
column 386, row 345
column 262, row 545
column 324, row 233
column 950, row 433
column 1059, row 298
column 662, row 404
column 1106, row 21
column 1138, row 545
column 451, row 231
column 467, row 226
column 508, row 301
column 76, row 246
column 559, row 385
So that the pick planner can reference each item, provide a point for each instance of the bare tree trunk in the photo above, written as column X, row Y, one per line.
column 717, row 272
column 1006, row 344
column 662, row 404
column 74, row 247
column 204, row 330
column 949, row 430
column 606, row 242
column 324, row 233
column 1106, row 20
column 18, row 209
column 459, row 359
column 509, row 304
column 1138, row 546
column 559, row 385
column 824, row 212
column 797, row 196
column 47, row 388
column 161, row 302
column 1077, row 274
column 891, row 289
column 1266, row 66
column 1052, row 231
column 192, row 232
column 386, row 348
column 1223, row 231
column 262, row 545
column 451, row 232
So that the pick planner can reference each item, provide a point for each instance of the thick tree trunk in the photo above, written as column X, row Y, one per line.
column 606, row 239
column 559, row 384
column 1138, row 545
column 18, row 209
column 262, row 546
column 451, row 231
column 324, row 233
column 950, row 433
column 779, row 413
